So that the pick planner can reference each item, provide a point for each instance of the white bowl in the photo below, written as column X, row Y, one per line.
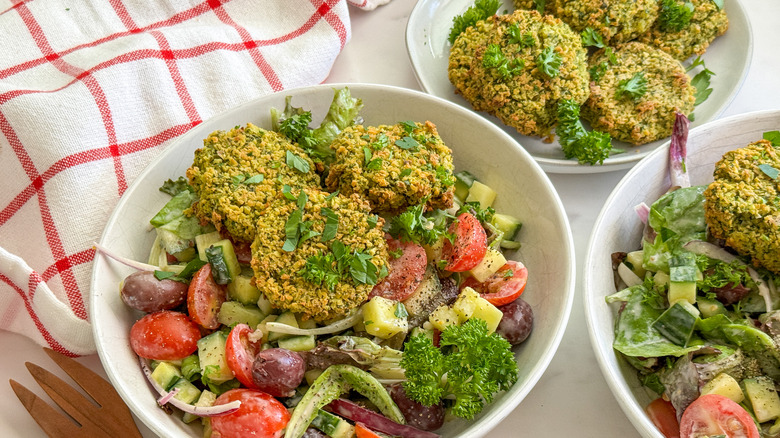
column 478, row 145
column 619, row 229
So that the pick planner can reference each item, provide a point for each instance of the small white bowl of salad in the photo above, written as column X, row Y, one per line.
column 342, row 312
column 680, row 309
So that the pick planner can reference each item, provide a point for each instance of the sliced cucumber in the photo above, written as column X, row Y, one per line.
column 286, row 317
column 298, row 343
column 203, row 241
column 242, row 290
column 676, row 324
column 763, row 398
column 206, row 399
column 211, row 354
column 463, row 182
column 507, row 224
column 170, row 378
column 332, row 425
column 233, row 312
column 223, row 260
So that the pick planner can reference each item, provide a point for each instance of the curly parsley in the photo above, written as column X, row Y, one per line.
column 675, row 16
column 481, row 10
column 590, row 147
column 633, row 88
column 549, row 62
column 494, row 58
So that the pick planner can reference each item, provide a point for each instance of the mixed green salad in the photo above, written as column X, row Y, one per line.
column 431, row 336
column 698, row 321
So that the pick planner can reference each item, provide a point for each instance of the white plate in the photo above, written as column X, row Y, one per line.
column 618, row 229
column 524, row 191
column 426, row 41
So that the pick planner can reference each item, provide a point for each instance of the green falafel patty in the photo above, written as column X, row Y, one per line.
column 237, row 173
column 617, row 21
column 636, row 91
column 278, row 262
column 742, row 204
column 707, row 23
column 393, row 166
column 518, row 67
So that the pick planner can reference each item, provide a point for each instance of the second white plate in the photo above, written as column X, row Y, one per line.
column 426, row 41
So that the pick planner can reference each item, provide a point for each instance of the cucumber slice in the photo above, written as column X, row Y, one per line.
column 463, row 182
column 223, row 260
column 242, row 290
column 203, row 241
column 332, row 425
column 507, row 224
column 286, row 317
column 233, row 312
column 211, row 354
column 676, row 324
column 298, row 343
column 206, row 399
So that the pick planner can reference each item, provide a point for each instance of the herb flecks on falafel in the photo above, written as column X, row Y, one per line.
column 545, row 63
column 278, row 267
column 707, row 22
column 637, row 93
column 393, row 166
column 742, row 204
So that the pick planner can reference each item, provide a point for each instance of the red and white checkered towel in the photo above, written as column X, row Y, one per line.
column 91, row 92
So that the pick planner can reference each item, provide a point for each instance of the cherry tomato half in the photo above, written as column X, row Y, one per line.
column 503, row 287
column 469, row 246
column 240, row 354
column 260, row 415
column 164, row 335
column 204, row 298
column 405, row 272
column 714, row 414
column 664, row 416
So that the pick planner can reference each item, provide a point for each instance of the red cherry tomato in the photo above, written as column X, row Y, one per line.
column 714, row 414
column 469, row 246
column 664, row 416
column 164, row 335
column 260, row 416
column 503, row 287
column 204, row 298
column 240, row 354
column 364, row 432
column 405, row 272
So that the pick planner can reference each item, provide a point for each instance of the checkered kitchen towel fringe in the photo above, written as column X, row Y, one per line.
column 91, row 91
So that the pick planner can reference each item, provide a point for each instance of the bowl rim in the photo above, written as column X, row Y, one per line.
column 517, row 393
column 619, row 389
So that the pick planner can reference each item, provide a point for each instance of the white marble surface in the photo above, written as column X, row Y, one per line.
column 572, row 398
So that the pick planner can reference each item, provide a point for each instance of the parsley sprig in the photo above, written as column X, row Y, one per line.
column 701, row 81
column 476, row 364
column 588, row 147
column 549, row 62
column 633, row 88
column 296, row 230
column 481, row 10
column 495, row 58
column 413, row 226
column 674, row 16
column 341, row 263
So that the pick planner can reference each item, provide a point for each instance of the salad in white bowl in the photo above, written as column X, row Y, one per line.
column 689, row 317
column 276, row 300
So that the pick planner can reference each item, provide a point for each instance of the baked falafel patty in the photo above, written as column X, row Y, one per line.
column 742, row 204
column 636, row 91
column 518, row 67
column 393, row 166
column 707, row 23
column 617, row 21
column 236, row 175
column 278, row 268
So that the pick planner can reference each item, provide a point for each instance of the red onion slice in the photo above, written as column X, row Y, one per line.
column 678, row 152
column 201, row 411
column 124, row 260
column 374, row 421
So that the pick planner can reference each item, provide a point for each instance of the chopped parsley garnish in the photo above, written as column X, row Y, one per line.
column 675, row 16
column 549, row 62
column 481, row 10
column 494, row 58
column 701, row 81
column 769, row 171
column 633, row 88
column 380, row 142
column 297, row 163
column 341, row 263
column 287, row 192
column 484, row 215
column 772, row 137
column 523, row 39
column 407, row 143
column 413, row 226
column 406, row 172
column 173, row 188
column 591, row 38
column 296, row 230
column 409, row 126
column 395, row 253
column 540, row 5
column 721, row 274
column 296, row 128
column 372, row 220
column 331, row 224
column 588, row 147
column 246, row 179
